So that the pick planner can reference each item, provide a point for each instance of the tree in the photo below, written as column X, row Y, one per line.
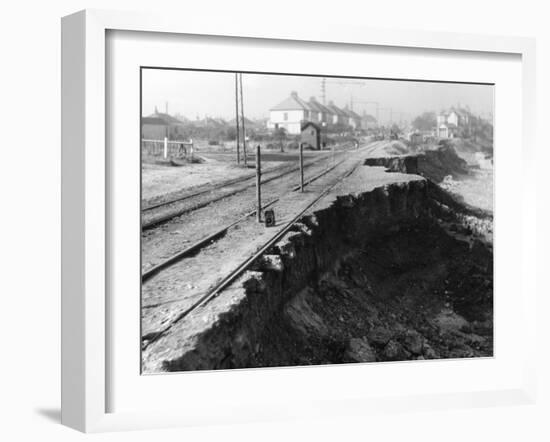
column 426, row 121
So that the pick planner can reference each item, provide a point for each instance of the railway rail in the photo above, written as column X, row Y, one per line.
column 156, row 221
column 195, row 247
column 212, row 293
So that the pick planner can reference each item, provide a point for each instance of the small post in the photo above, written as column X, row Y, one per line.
column 258, row 185
column 165, row 147
column 301, row 167
column 191, row 148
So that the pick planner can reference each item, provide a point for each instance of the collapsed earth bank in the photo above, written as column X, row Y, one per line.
column 397, row 273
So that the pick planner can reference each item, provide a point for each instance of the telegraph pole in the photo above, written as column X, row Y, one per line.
column 237, row 116
column 242, row 116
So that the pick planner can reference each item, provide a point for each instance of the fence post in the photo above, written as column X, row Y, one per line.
column 258, row 185
column 165, row 147
column 191, row 148
column 301, row 167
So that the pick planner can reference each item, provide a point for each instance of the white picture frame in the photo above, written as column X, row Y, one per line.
column 85, row 201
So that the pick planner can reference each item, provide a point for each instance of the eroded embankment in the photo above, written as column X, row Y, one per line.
column 434, row 164
column 389, row 274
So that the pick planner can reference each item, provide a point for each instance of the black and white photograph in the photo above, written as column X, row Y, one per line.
column 299, row 220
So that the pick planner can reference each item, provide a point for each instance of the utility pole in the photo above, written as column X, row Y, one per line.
column 237, row 116
column 301, row 167
column 258, row 185
column 323, row 89
column 242, row 116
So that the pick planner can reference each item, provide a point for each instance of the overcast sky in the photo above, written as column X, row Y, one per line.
column 195, row 93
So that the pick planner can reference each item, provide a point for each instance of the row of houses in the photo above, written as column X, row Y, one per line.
column 159, row 125
column 291, row 115
column 293, row 112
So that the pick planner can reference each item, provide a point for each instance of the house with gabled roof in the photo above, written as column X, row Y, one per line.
column 368, row 121
column 339, row 117
column 324, row 114
column 290, row 113
column 354, row 119
column 159, row 125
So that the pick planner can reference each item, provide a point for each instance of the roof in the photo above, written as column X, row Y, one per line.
column 310, row 123
column 217, row 122
column 368, row 117
column 168, row 119
column 293, row 102
column 336, row 110
column 153, row 121
column 315, row 105
column 247, row 122
column 351, row 114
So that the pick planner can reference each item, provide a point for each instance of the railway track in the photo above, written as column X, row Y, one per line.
column 210, row 294
column 155, row 221
column 207, row 240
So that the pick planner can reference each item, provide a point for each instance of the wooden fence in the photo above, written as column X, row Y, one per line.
column 167, row 149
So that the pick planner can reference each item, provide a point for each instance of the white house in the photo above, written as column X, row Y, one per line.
column 443, row 130
column 290, row 113
column 447, row 124
column 451, row 117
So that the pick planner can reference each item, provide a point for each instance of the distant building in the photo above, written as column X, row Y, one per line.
column 311, row 135
column 153, row 128
column 248, row 123
column 339, row 117
column 455, row 116
column 324, row 114
column 159, row 125
column 354, row 120
column 448, row 123
column 368, row 121
column 290, row 114
column 446, row 130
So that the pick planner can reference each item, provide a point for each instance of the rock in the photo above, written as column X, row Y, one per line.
column 359, row 350
column 394, row 351
column 413, row 341
column 379, row 336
